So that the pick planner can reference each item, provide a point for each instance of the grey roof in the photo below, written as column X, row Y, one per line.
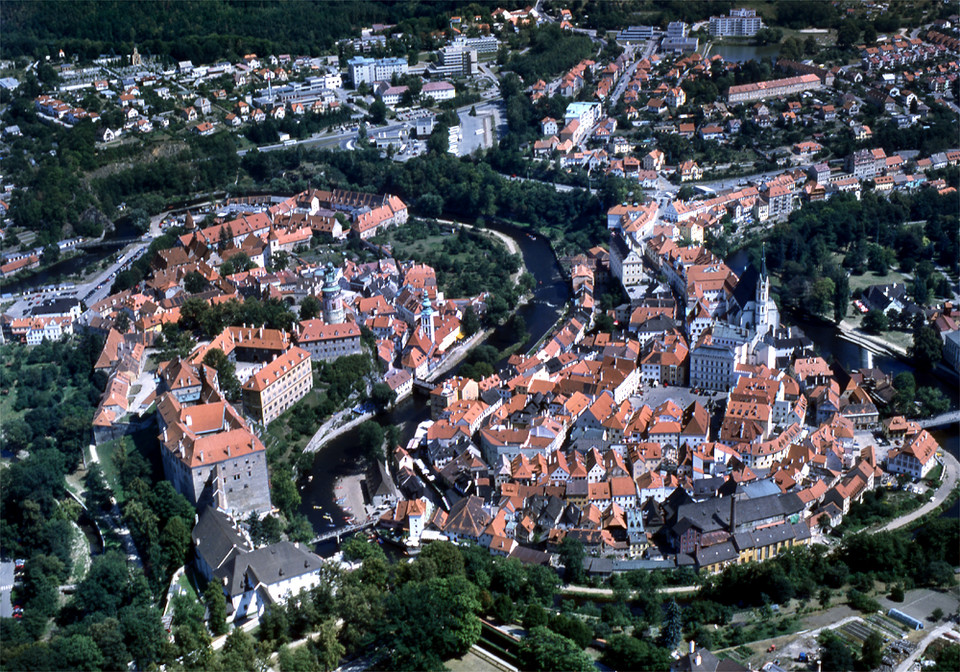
column 722, row 552
column 530, row 556
column 771, row 535
column 268, row 565
column 657, row 324
column 714, row 514
column 216, row 539
column 755, row 489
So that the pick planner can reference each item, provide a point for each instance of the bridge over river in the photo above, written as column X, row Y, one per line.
column 942, row 420
column 341, row 531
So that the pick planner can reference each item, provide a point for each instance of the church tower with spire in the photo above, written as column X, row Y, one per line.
column 767, row 313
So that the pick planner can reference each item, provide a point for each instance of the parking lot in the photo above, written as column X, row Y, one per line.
column 6, row 586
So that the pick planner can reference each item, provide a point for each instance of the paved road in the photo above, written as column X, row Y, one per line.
column 6, row 585
column 907, row 664
column 338, row 139
column 951, row 472
column 608, row 592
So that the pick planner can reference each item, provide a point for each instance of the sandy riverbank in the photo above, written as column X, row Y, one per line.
column 349, row 493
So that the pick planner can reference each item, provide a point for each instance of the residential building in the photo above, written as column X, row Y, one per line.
column 740, row 23
column 278, row 385
column 364, row 70
column 775, row 88
column 916, row 458
column 252, row 579
column 328, row 342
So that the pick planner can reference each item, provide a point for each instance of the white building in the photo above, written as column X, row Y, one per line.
column 252, row 579
column 365, row 70
column 439, row 91
column 917, row 456
column 626, row 264
column 740, row 23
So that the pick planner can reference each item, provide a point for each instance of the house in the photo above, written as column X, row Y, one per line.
column 689, row 170
column 653, row 160
column 252, row 579
column 916, row 458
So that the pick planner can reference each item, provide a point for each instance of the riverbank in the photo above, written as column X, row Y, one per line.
column 350, row 499
column 324, row 433
column 509, row 243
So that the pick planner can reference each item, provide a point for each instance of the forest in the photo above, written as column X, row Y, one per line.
column 205, row 31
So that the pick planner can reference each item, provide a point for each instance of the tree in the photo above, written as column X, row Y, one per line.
column 310, row 307
column 370, row 439
column 470, row 323
column 932, row 401
column 216, row 608
column 226, row 373
column 535, row 616
column 823, row 597
column 571, row 557
column 78, row 652
column 382, row 395
column 936, row 615
column 672, row 628
column 927, row 349
column 175, row 542
column 194, row 283
column 821, row 294
column 97, row 493
column 108, row 636
column 841, row 297
column 238, row 651
column 51, row 254
column 378, row 112
column 300, row 659
column 630, row 653
column 871, row 652
column 429, row 622
column 604, row 323
column 875, row 321
column 834, row 653
column 439, row 140
column 546, row 650
column 504, row 609
column 331, row 650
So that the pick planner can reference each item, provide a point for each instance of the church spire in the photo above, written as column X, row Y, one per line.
column 763, row 259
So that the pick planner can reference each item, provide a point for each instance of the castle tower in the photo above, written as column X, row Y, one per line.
column 426, row 318
column 135, row 58
column 332, row 302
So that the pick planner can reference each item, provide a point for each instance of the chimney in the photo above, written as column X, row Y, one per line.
column 733, row 513
column 693, row 646
column 698, row 660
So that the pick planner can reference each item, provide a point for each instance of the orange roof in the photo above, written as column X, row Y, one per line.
column 273, row 371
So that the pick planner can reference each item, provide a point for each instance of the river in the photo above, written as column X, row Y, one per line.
column 741, row 53
column 62, row 270
column 341, row 457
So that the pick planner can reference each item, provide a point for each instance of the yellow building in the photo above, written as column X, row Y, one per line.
column 278, row 385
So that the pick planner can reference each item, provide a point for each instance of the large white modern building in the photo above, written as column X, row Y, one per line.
column 365, row 70
column 740, row 23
